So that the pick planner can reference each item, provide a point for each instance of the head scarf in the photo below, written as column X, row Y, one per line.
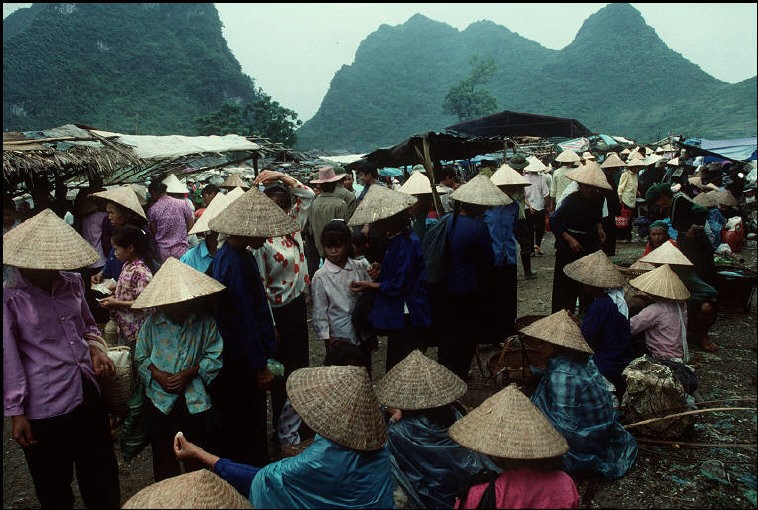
column 656, row 191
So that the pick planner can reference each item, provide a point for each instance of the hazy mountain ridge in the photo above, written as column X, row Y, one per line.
column 617, row 76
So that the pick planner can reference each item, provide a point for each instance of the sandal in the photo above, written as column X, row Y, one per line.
column 709, row 345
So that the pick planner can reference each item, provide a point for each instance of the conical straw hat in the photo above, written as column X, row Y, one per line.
column 661, row 282
column 480, row 191
column 338, row 403
column 507, row 176
column 174, row 185
column 595, row 269
column 234, row 194
column 667, row 253
column 253, row 215
column 141, row 191
column 642, row 266
column 659, row 150
column 708, row 199
column 176, row 282
column 124, row 196
column 218, row 204
column 725, row 197
column 197, row 489
column 588, row 155
column 567, row 156
column 590, row 174
column 535, row 165
column 508, row 425
column 625, row 151
column 673, row 162
column 635, row 161
column 613, row 161
column 417, row 184
column 233, row 181
column 380, row 203
column 45, row 241
column 419, row 382
column 558, row 329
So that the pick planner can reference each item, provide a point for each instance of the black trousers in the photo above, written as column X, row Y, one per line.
column 162, row 429
column 525, row 238
column 291, row 322
column 501, row 305
column 99, row 313
column 609, row 226
column 239, row 429
column 461, row 331
column 82, row 440
column 402, row 342
column 565, row 290
column 536, row 221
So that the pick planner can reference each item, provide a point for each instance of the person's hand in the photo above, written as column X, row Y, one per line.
column 96, row 278
column 175, row 383
column 265, row 378
column 102, row 364
column 161, row 377
column 357, row 286
column 108, row 302
column 395, row 414
column 22, row 431
column 374, row 270
column 601, row 234
column 184, row 449
column 575, row 245
column 268, row 176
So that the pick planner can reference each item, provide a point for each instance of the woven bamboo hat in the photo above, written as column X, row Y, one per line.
column 625, row 151
column 176, row 282
column 595, row 269
column 642, row 266
column 417, row 184
column 480, row 191
column 380, row 203
column 253, row 215
column 535, row 165
column 218, row 204
column 661, row 282
column 708, row 199
column 338, row 403
column 198, row 489
column 636, row 162
column 174, row 185
column 45, row 241
column 507, row 176
column 125, row 196
column 419, row 382
column 141, row 191
column 613, row 161
column 725, row 197
column 234, row 194
column 233, row 181
column 508, row 425
column 667, row 253
column 590, row 174
column 567, row 156
column 673, row 162
column 588, row 155
column 558, row 329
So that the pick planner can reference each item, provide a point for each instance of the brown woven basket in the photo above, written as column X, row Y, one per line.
column 513, row 361
column 118, row 389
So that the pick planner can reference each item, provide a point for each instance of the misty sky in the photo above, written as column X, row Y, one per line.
column 293, row 50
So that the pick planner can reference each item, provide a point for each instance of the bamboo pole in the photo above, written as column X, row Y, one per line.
column 699, row 445
column 426, row 160
column 697, row 411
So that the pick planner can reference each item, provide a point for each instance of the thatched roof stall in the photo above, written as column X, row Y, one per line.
column 62, row 154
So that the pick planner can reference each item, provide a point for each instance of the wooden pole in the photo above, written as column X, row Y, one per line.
column 426, row 160
column 697, row 411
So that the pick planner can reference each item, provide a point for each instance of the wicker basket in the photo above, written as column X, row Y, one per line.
column 512, row 363
column 118, row 389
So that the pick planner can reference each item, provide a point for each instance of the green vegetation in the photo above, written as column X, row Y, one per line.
column 130, row 68
column 616, row 77
column 465, row 100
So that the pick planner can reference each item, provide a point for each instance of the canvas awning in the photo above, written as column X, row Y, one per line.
column 735, row 149
column 442, row 147
column 509, row 123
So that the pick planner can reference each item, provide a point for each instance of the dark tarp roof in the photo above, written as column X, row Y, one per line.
column 508, row 123
column 442, row 147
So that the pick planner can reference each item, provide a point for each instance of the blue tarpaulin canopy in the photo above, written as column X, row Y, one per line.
column 388, row 171
column 736, row 149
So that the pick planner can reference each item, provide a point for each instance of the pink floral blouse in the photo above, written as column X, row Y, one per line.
column 135, row 276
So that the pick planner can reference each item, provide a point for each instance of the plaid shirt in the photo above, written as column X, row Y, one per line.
column 575, row 398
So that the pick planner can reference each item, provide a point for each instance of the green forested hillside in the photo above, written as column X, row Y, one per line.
column 147, row 68
column 616, row 77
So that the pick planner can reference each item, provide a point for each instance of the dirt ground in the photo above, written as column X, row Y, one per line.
column 721, row 474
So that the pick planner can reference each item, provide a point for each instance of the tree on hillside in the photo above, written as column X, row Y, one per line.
column 263, row 117
column 467, row 99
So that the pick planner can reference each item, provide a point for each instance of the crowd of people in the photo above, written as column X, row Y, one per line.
column 214, row 292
